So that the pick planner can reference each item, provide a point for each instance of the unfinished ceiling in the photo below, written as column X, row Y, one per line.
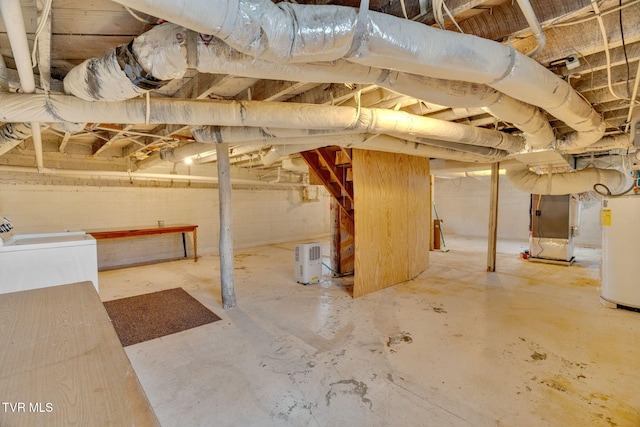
column 378, row 81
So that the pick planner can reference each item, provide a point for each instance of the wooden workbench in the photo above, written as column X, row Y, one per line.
column 148, row 231
column 62, row 364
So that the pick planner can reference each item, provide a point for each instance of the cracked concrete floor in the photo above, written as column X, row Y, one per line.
column 529, row 345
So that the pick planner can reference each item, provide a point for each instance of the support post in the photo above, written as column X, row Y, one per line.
column 226, row 235
column 432, row 237
column 493, row 217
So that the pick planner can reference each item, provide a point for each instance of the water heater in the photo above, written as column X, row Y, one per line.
column 308, row 263
column 620, row 237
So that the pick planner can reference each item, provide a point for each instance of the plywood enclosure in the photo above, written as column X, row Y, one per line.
column 392, row 218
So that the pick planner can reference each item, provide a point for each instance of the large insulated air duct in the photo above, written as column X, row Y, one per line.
column 573, row 182
column 296, row 141
column 292, row 33
column 161, row 54
column 55, row 108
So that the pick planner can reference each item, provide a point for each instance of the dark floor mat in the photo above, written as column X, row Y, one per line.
column 145, row 317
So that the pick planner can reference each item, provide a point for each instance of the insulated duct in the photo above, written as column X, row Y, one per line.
column 378, row 121
column 252, row 135
column 12, row 134
column 423, row 148
column 578, row 181
column 164, row 49
column 394, row 145
column 56, row 108
column 292, row 33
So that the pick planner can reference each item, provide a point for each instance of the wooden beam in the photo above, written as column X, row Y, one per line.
column 599, row 79
column 584, row 37
column 347, row 152
column 270, row 90
column 432, row 182
column 334, row 93
column 598, row 61
column 456, row 7
column 118, row 136
column 601, row 96
column 493, row 217
column 65, row 141
column 500, row 21
column 201, row 86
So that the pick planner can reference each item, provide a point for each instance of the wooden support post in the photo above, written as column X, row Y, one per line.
column 226, row 235
column 493, row 217
column 432, row 242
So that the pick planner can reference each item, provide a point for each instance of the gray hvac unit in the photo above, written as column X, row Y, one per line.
column 552, row 227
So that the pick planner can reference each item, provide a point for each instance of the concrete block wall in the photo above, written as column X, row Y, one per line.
column 463, row 204
column 260, row 216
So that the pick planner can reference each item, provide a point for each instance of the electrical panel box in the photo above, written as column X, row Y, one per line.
column 308, row 263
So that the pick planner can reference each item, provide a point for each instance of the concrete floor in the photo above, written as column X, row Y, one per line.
column 529, row 345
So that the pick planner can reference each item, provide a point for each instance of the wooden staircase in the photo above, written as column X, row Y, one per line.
column 332, row 168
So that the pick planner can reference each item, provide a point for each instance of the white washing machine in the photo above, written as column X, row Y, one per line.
column 31, row 261
column 620, row 240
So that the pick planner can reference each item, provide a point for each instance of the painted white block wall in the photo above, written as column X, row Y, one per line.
column 463, row 204
column 260, row 216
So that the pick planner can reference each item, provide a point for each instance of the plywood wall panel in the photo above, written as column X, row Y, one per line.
column 419, row 201
column 392, row 216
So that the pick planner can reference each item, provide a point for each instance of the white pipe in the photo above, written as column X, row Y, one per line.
column 114, row 175
column 573, row 182
column 36, row 137
column 14, row 22
column 534, row 24
column 394, row 145
column 252, row 135
column 416, row 128
column 634, row 97
column 284, row 146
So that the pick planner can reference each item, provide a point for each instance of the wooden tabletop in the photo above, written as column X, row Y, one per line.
column 61, row 362
column 141, row 231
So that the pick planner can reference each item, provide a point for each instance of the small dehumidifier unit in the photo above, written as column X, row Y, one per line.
column 308, row 263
